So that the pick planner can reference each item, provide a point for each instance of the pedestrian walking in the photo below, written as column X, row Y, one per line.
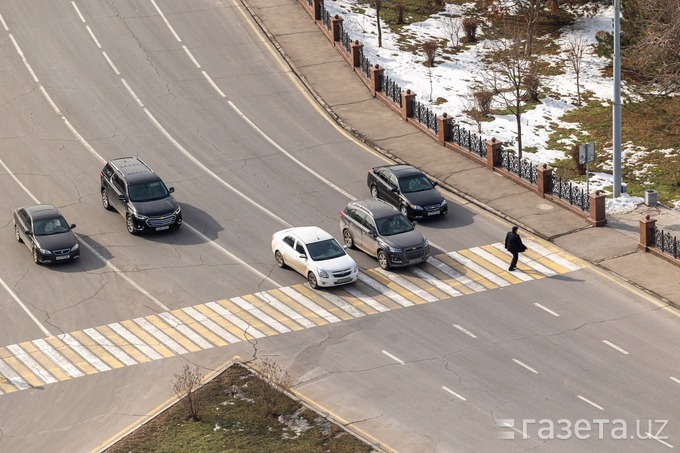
column 514, row 245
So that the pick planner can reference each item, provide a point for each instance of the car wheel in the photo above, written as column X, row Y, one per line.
column 404, row 210
column 279, row 259
column 35, row 255
column 311, row 278
column 348, row 239
column 105, row 200
column 16, row 233
column 374, row 191
column 130, row 223
column 382, row 260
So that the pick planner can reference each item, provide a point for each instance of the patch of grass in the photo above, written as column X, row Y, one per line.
column 233, row 419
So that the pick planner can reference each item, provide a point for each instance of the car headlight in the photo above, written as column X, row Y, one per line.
column 426, row 243
column 395, row 249
column 323, row 274
column 416, row 207
column 75, row 247
column 443, row 203
column 44, row 251
column 177, row 211
column 140, row 216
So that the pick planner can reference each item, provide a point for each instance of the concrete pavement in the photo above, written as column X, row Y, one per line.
column 337, row 88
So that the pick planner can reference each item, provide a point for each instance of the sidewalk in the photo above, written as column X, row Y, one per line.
column 331, row 80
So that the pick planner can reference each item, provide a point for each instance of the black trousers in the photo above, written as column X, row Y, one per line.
column 515, row 257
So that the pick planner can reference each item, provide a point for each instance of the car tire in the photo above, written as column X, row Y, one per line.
column 35, row 255
column 348, row 239
column 382, row 260
column 130, row 224
column 279, row 259
column 311, row 278
column 17, row 236
column 404, row 211
column 105, row 200
column 374, row 191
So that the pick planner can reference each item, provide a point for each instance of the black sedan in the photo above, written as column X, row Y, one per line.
column 408, row 189
column 46, row 233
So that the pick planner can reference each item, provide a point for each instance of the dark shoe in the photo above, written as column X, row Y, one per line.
column 512, row 268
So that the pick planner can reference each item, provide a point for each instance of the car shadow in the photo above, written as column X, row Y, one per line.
column 199, row 226
column 458, row 216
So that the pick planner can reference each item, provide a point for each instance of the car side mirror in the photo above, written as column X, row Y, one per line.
column 344, row 246
column 122, row 198
column 27, row 232
column 171, row 189
column 414, row 223
column 395, row 190
column 302, row 256
column 434, row 183
column 73, row 225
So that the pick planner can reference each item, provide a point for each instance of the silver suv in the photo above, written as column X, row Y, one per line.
column 382, row 231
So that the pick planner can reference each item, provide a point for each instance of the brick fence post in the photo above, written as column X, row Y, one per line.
column 597, row 215
column 407, row 101
column 544, row 179
column 336, row 28
column 444, row 128
column 376, row 79
column 357, row 49
column 647, row 225
column 493, row 155
column 316, row 7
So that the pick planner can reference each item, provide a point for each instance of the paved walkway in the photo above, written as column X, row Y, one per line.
column 334, row 84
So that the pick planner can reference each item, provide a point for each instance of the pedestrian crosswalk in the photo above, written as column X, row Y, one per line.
column 278, row 311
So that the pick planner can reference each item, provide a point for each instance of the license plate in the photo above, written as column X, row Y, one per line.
column 162, row 228
column 344, row 280
column 63, row 257
column 433, row 213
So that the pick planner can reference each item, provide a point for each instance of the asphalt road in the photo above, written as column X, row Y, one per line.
column 415, row 360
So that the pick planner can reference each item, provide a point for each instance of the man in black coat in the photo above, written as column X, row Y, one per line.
column 514, row 245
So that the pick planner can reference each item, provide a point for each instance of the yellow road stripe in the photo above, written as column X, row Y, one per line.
column 5, row 385
column 354, row 301
column 23, row 371
column 452, row 282
column 521, row 266
column 379, row 297
column 271, row 311
column 147, row 338
column 123, row 344
column 501, row 272
column 199, row 328
column 317, row 298
column 296, row 306
column 97, row 350
column 69, row 354
column 394, row 287
column 44, row 361
column 547, row 262
column 425, row 286
column 172, row 333
column 246, row 317
column 472, row 275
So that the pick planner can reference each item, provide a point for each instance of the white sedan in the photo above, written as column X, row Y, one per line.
column 315, row 254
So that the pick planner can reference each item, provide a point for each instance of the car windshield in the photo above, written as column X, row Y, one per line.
column 396, row 224
column 325, row 250
column 148, row 191
column 416, row 183
column 45, row 227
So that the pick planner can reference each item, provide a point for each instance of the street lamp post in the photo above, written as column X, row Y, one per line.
column 616, row 120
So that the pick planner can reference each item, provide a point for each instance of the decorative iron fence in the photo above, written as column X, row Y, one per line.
column 668, row 243
column 325, row 16
column 468, row 140
column 426, row 116
column 391, row 89
column 524, row 168
column 345, row 40
column 365, row 66
column 569, row 191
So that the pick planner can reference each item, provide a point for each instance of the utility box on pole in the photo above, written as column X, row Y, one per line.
column 651, row 196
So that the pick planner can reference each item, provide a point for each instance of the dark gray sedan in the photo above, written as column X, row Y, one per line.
column 46, row 233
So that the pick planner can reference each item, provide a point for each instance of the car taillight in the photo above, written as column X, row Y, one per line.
column 342, row 214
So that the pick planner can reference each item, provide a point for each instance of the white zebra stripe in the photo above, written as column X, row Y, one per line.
column 342, row 305
column 434, row 281
column 365, row 298
column 211, row 325
column 160, row 335
column 376, row 285
column 415, row 289
column 134, row 341
column 478, row 269
column 493, row 259
column 285, row 309
column 184, row 329
column 304, row 300
column 34, row 366
column 535, row 265
column 253, row 310
column 552, row 256
column 83, row 352
column 57, row 358
column 13, row 377
column 453, row 273
column 235, row 320
column 109, row 346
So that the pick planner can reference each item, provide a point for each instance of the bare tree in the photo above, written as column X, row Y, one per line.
column 477, row 105
column 185, row 383
column 378, row 5
column 575, row 50
column 430, row 48
column 530, row 11
column 275, row 380
column 470, row 25
column 451, row 26
column 399, row 10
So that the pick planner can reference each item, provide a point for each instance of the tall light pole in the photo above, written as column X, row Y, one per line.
column 616, row 123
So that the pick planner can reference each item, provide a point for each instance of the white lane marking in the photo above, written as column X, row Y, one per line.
column 160, row 335
column 94, row 38
column 365, row 298
column 289, row 155
column 393, row 357
column 166, row 21
column 132, row 93
column 24, row 308
column 310, row 304
column 453, row 273
column 264, row 317
column 453, row 393
column 34, row 366
column 546, row 309
column 432, row 280
column 468, row 263
column 552, row 256
column 13, row 377
column 191, row 56
column 411, row 287
column 184, row 329
column 109, row 346
column 342, row 305
column 4, row 24
column 493, row 259
column 583, row 398
column 212, row 83
column 113, row 66
column 235, row 320
column 78, row 11
column 675, row 379
column 57, row 358
column 612, row 345
column 510, row 423
column 83, row 352
column 212, row 325
column 465, row 331
column 23, row 58
column 658, row 440
column 133, row 340
column 387, row 292
column 285, row 309
column 522, row 364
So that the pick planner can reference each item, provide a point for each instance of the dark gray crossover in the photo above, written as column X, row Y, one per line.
column 382, row 231
column 129, row 186
column 46, row 233
column 408, row 189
